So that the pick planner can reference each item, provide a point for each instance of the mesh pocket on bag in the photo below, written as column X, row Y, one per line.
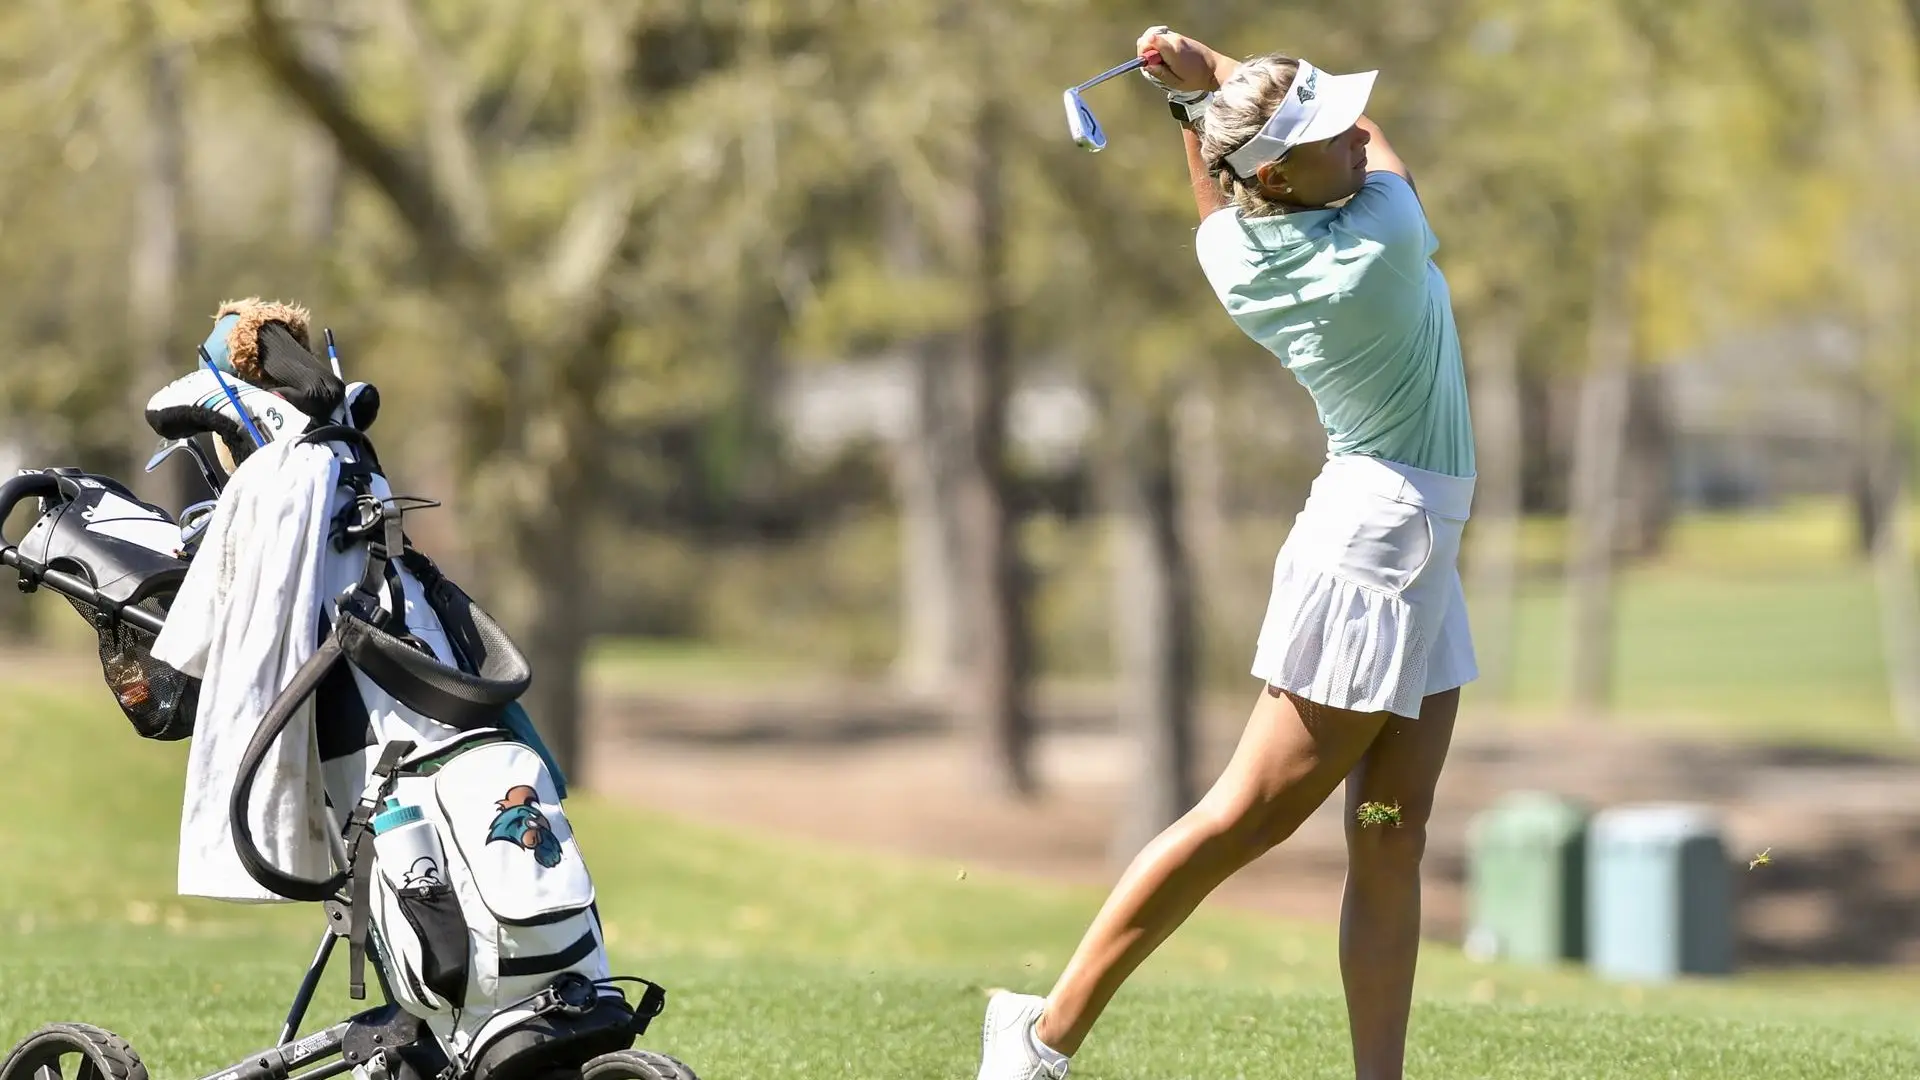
column 441, row 930
column 157, row 699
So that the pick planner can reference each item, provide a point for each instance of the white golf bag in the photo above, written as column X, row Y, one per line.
column 480, row 899
column 457, row 870
column 463, row 879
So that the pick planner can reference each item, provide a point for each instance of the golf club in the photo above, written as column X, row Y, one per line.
column 194, row 521
column 232, row 398
column 1081, row 123
column 193, row 451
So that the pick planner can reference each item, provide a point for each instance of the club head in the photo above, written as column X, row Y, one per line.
column 175, row 446
column 194, row 521
column 192, row 449
column 1082, row 125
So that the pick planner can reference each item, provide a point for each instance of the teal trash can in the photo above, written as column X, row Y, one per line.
column 1660, row 896
column 1526, row 874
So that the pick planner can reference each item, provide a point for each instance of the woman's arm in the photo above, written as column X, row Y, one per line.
column 1186, row 64
column 1206, row 192
column 1380, row 155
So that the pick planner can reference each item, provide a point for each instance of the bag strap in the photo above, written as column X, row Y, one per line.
column 279, row 715
column 379, row 525
column 360, row 844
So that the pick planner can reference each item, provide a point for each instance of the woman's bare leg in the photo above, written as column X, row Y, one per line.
column 1380, row 914
column 1290, row 758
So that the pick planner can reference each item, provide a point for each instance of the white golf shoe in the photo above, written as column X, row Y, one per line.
column 1006, row 1041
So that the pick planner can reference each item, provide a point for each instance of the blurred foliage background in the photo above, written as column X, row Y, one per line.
column 801, row 331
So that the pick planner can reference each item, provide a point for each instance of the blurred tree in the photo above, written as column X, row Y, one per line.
column 1599, row 448
column 601, row 222
column 158, row 258
column 71, row 116
column 928, row 277
column 1872, row 71
column 561, row 208
column 1694, row 106
column 1502, row 179
column 322, row 175
column 927, row 457
column 1155, row 617
column 1492, row 341
column 995, row 698
column 1132, row 313
column 1647, row 480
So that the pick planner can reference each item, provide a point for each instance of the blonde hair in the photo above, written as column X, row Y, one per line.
column 1239, row 109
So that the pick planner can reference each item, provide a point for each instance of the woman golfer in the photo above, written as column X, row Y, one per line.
column 1314, row 240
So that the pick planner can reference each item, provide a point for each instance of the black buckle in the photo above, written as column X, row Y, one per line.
column 574, row 994
column 365, row 608
column 367, row 516
column 571, row 994
column 358, row 520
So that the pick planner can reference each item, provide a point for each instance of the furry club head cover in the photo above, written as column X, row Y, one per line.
column 263, row 351
column 265, row 343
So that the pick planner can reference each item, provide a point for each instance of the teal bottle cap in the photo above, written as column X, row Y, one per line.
column 395, row 816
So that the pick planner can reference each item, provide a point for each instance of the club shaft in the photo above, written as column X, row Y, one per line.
column 1122, row 69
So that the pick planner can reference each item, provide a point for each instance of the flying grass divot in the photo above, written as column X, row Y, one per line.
column 1372, row 814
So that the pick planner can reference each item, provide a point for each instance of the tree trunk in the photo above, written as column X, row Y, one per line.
column 556, row 634
column 156, row 264
column 927, row 464
column 550, row 501
column 994, row 700
column 1647, row 486
column 322, row 181
column 1493, row 565
column 1867, row 503
column 1154, row 624
column 531, row 445
column 1893, row 573
column 1895, row 239
column 1595, row 497
column 1200, row 476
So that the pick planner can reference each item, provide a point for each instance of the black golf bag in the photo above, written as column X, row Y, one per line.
column 96, row 535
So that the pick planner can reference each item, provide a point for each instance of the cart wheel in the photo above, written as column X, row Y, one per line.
column 73, row 1052
column 630, row 1065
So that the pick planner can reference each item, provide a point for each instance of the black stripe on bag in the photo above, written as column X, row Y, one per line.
column 544, row 920
column 514, row 966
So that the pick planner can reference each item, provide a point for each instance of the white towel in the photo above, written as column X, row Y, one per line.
column 245, row 618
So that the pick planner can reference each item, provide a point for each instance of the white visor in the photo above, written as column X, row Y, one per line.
column 1318, row 106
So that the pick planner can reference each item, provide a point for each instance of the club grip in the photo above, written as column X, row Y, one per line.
column 19, row 489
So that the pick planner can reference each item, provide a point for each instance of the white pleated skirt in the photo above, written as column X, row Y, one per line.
column 1367, row 611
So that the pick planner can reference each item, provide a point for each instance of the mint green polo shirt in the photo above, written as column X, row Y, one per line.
column 1351, row 302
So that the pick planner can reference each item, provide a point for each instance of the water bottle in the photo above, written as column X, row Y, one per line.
column 407, row 848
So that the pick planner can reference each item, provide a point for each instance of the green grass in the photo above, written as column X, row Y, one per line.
column 661, row 664
column 786, row 959
column 1757, row 625
column 1791, row 656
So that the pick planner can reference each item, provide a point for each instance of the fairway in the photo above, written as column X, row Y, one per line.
column 785, row 959
column 1794, row 656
